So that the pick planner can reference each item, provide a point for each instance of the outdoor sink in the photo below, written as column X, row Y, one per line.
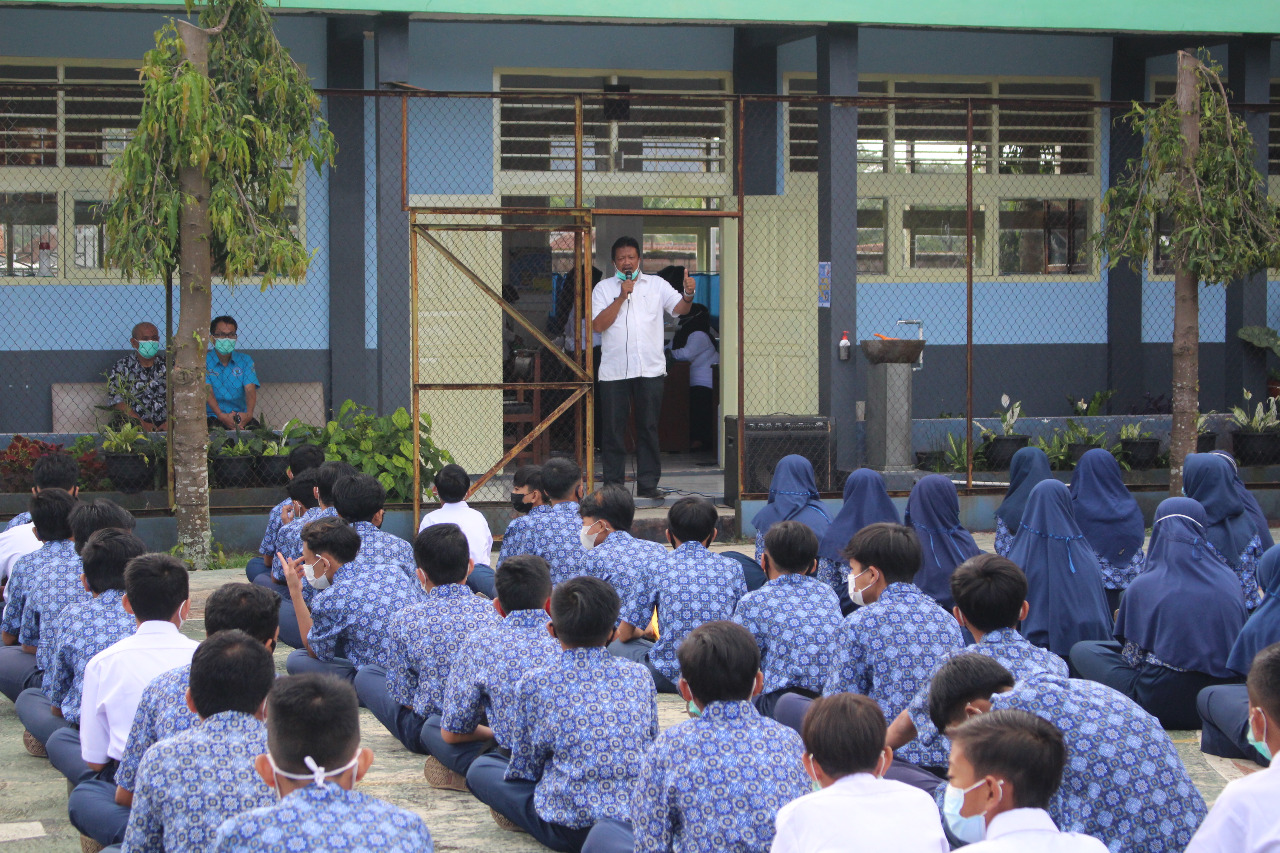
column 899, row 351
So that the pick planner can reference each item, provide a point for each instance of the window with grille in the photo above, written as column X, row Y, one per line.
column 620, row 135
column 1042, row 235
column 71, row 126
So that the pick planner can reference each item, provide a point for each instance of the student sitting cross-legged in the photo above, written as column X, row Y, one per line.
column 423, row 641
column 526, row 496
column 480, row 699
column 1005, row 767
column 359, row 500
column 302, row 494
column 190, row 783
column 77, row 634
column 452, row 485
column 794, row 618
column 313, row 761
column 690, row 587
column 715, row 782
column 845, row 754
column 583, row 728
column 612, row 553
column 553, row 531
column 302, row 458
column 100, row 809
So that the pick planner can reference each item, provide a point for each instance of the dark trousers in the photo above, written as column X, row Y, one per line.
column 371, row 688
column 638, row 651
column 513, row 799
column 36, row 713
column 290, row 633
column 255, row 567
column 264, row 579
column 18, row 671
column 1113, row 599
column 458, row 757
column 481, row 580
column 1166, row 694
column 617, row 398
column 1224, row 709
column 93, row 810
column 299, row 661
column 610, row 836
column 702, row 417
column 766, row 702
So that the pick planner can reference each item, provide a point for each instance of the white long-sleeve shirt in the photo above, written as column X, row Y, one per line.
column 861, row 812
column 473, row 526
column 701, row 354
column 1032, row 831
column 1246, row 817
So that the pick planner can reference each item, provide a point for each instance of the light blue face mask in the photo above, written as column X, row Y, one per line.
column 970, row 830
column 1256, row 743
column 631, row 276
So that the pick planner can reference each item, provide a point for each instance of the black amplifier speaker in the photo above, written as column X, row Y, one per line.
column 769, row 438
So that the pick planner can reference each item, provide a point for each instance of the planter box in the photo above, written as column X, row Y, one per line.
column 1257, row 448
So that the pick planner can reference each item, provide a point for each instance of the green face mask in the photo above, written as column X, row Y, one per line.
column 148, row 349
column 1259, row 744
column 224, row 346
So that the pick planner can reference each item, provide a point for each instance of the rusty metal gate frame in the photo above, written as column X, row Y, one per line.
column 579, row 362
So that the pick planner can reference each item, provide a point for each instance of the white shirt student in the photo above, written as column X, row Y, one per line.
column 16, row 543
column 864, row 812
column 1246, row 816
column 473, row 526
column 1032, row 831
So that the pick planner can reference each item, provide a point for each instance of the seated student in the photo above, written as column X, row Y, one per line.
column 302, row 458
column 156, row 592
column 611, row 552
column 55, row 560
column 526, row 489
column 190, row 783
column 891, row 644
column 991, row 599
column 231, row 381
column 1245, row 818
column 553, row 532
column 684, row 802
column 1176, row 625
column 91, row 516
column 479, row 705
column 1028, row 467
column 51, row 471
column 845, row 754
column 349, row 619
column 452, row 485
column 423, row 642
column 359, row 500
column 1211, row 480
column 691, row 586
column 793, row 495
column 1005, row 767
column 77, row 634
column 1110, row 519
column 933, row 512
column 315, row 497
column 793, row 618
column 314, row 761
column 866, row 501
column 100, row 809
column 1251, row 506
column 1123, row 781
column 585, row 724
column 1224, row 708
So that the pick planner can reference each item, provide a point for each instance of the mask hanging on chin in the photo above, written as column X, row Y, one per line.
column 318, row 581
column 624, row 276
column 587, row 538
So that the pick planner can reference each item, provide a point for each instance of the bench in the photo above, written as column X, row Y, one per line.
column 75, row 404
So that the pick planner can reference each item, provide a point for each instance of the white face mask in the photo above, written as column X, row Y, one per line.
column 318, row 775
column 317, row 581
column 855, row 594
column 587, row 538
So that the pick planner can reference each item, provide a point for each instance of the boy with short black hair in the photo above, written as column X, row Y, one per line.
column 846, row 756
column 315, row 496
column 1005, row 768
column 78, row 633
column 359, row 500
column 792, row 618
column 684, row 802
column 91, row 516
column 51, row 471
column 424, row 638
column 190, row 783
column 526, row 488
column 313, row 763
column 585, row 724
column 1107, row 736
column 612, row 553
column 302, row 457
column 480, row 699
column 452, row 484
column 553, row 531
column 1245, row 819
column 688, row 588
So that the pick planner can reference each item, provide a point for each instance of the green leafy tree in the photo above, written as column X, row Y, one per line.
column 1197, row 165
column 229, row 123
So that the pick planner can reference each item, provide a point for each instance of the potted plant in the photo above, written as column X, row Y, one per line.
column 999, row 449
column 1206, row 438
column 1080, row 441
column 231, row 460
column 1264, row 339
column 1257, row 436
column 1055, row 447
column 273, row 463
column 129, row 464
column 1138, row 447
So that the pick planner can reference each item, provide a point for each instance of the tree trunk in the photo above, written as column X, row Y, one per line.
column 195, row 263
column 1186, row 294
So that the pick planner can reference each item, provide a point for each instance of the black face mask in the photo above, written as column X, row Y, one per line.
column 518, row 504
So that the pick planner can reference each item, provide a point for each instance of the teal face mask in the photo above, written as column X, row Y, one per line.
column 148, row 349
column 224, row 346
column 631, row 276
column 1259, row 744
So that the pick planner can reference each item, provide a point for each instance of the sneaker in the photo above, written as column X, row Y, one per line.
column 34, row 747
column 655, row 494
column 439, row 776
column 504, row 822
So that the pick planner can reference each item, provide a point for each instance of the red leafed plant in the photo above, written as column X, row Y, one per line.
column 18, row 459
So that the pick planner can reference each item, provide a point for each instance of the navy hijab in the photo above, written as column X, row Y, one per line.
column 1263, row 627
column 1186, row 607
column 1251, row 505
column 1028, row 467
column 866, row 501
column 1064, row 583
column 1210, row 479
column 933, row 510
column 793, row 496
column 1108, row 515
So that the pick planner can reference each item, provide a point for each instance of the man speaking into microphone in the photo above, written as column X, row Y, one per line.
column 626, row 310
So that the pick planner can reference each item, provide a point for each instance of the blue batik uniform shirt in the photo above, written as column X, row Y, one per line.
column 270, row 544
column 289, row 538
column 516, row 539
column 888, row 650
column 584, row 726
column 1123, row 783
column 228, row 381
column 552, row 535
column 76, row 634
column 716, row 782
column 352, row 618
column 42, row 582
column 690, row 587
column 190, row 783
column 425, row 639
column 621, row 561
column 488, row 669
column 795, row 621
column 162, row 712
column 384, row 549
column 20, row 518
column 323, row 819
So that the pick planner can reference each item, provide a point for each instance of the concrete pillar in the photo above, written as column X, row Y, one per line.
column 391, row 45
column 1124, row 286
column 755, row 72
